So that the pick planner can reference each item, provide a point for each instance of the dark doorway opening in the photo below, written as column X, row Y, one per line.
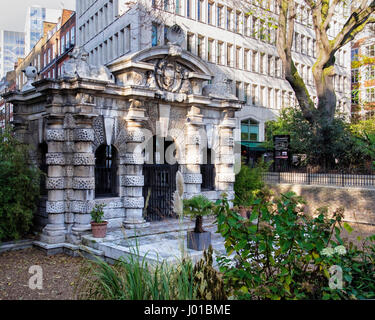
column 160, row 179
column 106, row 172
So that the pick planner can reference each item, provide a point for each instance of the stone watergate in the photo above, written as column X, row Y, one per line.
column 162, row 91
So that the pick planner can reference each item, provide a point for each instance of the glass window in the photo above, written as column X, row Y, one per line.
column 249, row 130
column 219, row 16
column 154, row 35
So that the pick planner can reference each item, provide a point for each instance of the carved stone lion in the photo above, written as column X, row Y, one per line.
column 77, row 66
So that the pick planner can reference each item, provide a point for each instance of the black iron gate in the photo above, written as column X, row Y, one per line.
column 160, row 184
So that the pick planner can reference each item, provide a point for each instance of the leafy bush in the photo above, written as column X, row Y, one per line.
column 280, row 253
column 19, row 188
column 97, row 213
column 249, row 182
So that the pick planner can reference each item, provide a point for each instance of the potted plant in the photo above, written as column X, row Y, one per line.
column 197, row 207
column 98, row 225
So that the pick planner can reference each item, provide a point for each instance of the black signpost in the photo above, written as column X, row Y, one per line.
column 281, row 153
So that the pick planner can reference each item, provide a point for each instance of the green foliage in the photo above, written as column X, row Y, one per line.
column 134, row 278
column 358, row 270
column 279, row 252
column 364, row 137
column 19, row 188
column 197, row 206
column 97, row 213
column 323, row 142
column 249, row 182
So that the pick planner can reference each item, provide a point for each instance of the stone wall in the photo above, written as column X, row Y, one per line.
column 359, row 203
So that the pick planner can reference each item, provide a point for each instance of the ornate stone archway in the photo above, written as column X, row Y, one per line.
column 162, row 90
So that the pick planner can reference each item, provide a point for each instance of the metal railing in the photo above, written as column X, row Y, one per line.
column 308, row 176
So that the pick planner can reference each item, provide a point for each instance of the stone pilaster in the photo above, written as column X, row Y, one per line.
column 56, row 182
column 132, row 180
column 82, row 192
column 225, row 174
column 193, row 153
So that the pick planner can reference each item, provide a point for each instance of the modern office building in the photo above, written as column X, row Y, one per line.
column 221, row 33
column 12, row 47
column 363, row 75
column 35, row 17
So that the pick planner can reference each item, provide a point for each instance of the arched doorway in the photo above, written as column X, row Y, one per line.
column 106, row 172
column 160, row 178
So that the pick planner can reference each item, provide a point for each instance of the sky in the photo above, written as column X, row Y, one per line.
column 13, row 12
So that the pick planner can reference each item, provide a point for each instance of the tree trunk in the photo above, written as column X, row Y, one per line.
column 199, row 225
column 323, row 76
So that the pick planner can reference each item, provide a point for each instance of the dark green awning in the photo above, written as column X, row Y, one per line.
column 254, row 146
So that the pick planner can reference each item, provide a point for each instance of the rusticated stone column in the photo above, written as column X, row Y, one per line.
column 225, row 175
column 55, row 230
column 132, row 180
column 193, row 153
column 82, row 192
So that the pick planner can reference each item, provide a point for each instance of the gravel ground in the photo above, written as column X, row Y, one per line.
column 59, row 275
column 60, row 272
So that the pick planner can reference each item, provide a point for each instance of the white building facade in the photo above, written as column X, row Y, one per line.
column 224, row 36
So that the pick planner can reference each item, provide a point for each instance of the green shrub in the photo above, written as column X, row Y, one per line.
column 97, row 213
column 249, row 182
column 280, row 253
column 19, row 188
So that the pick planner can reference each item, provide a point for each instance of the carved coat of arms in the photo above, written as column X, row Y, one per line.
column 169, row 75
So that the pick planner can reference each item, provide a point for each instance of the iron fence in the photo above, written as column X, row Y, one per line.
column 333, row 177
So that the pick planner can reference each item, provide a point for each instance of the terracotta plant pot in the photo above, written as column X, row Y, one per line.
column 99, row 230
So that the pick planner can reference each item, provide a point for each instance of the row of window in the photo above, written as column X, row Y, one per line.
column 368, row 73
column 227, row 54
column 66, row 41
column 269, row 97
column 217, row 14
column 98, row 21
column 83, row 5
column 367, row 94
column 368, row 51
column 115, row 46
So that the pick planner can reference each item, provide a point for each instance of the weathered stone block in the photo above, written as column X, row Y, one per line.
column 80, row 183
column 132, row 181
column 55, row 135
column 83, row 135
column 55, row 183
